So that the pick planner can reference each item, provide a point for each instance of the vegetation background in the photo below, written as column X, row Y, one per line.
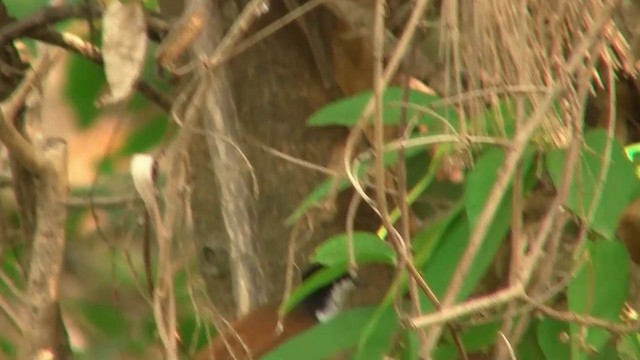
column 472, row 162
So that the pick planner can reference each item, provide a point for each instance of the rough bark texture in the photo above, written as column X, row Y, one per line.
column 44, row 330
column 274, row 86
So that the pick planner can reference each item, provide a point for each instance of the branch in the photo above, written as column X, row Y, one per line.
column 77, row 45
column 81, row 202
column 35, row 27
column 496, row 194
column 238, row 205
column 42, row 317
column 47, row 16
column 583, row 320
column 17, row 145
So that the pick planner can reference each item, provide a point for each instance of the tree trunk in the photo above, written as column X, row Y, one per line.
column 274, row 87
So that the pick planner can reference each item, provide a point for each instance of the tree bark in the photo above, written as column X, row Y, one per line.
column 273, row 88
column 44, row 329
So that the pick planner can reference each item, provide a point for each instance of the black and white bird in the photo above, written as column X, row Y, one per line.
column 256, row 334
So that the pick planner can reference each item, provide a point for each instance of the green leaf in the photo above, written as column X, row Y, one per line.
column 105, row 317
column 145, row 137
column 599, row 288
column 106, row 166
column 7, row 347
column 323, row 190
column 10, row 265
column 630, row 346
column 428, row 238
column 21, row 8
column 377, row 336
column 529, row 347
column 619, row 188
column 347, row 111
column 551, row 334
column 320, row 342
column 367, row 247
column 608, row 352
column 192, row 333
column 499, row 119
column 106, row 349
column 441, row 265
column 410, row 345
column 475, row 339
column 85, row 81
column 439, row 270
column 482, row 179
column 319, row 193
column 319, row 279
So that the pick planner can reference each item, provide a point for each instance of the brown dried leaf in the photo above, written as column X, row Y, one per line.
column 124, row 44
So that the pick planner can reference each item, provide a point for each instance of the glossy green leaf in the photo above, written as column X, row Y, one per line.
column 368, row 248
column 377, row 335
column 428, row 238
column 347, row 111
column 619, row 188
column 85, row 81
column 440, row 267
column 319, row 343
column 599, row 289
column 439, row 270
column 553, row 337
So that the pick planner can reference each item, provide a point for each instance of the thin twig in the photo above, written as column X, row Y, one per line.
column 513, row 156
column 392, row 67
column 250, row 13
column 51, row 15
column 11, row 315
column 267, row 31
column 81, row 202
column 518, row 245
column 33, row 77
column 354, row 203
column 295, row 160
column 17, row 145
column 583, row 320
column 13, row 288
column 77, row 45
column 494, row 300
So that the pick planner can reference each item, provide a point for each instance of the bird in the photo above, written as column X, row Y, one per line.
column 257, row 333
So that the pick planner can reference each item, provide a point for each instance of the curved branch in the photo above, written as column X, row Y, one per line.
column 156, row 27
column 75, row 44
